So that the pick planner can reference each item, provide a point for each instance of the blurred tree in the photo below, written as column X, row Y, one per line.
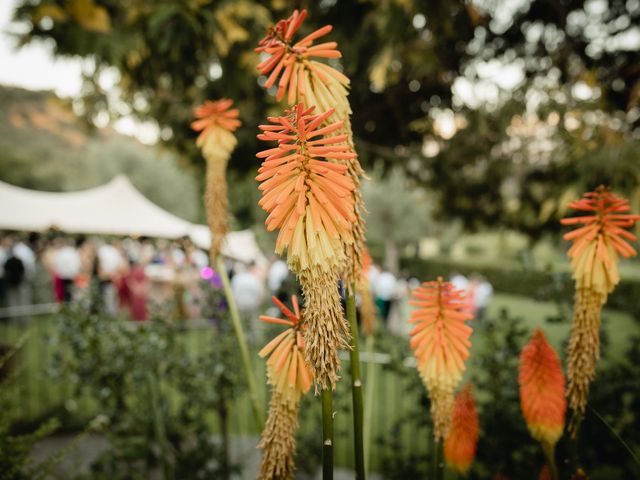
column 397, row 217
column 490, row 103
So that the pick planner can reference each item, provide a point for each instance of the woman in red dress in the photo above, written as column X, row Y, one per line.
column 138, row 287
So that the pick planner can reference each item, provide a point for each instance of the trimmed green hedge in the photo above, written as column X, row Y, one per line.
column 547, row 286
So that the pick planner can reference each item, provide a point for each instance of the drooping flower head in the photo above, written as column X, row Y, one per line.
column 460, row 444
column 603, row 236
column 287, row 370
column 307, row 197
column 440, row 343
column 542, row 396
column 290, row 378
column 216, row 122
column 302, row 78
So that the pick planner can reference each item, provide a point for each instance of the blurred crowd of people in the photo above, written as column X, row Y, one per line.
column 131, row 275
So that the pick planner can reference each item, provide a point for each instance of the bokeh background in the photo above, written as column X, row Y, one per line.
column 476, row 121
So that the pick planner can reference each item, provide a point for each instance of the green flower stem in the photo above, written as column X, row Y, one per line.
column 356, row 386
column 242, row 343
column 368, row 404
column 437, row 466
column 327, row 434
column 158, row 425
column 549, row 453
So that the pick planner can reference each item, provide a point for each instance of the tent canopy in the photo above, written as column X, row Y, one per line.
column 116, row 208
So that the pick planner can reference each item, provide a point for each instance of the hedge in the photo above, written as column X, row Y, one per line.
column 541, row 285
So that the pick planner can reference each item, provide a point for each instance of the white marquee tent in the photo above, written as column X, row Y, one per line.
column 115, row 208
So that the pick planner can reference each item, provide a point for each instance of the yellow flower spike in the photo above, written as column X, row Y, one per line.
column 315, row 84
column 216, row 123
column 290, row 378
column 307, row 197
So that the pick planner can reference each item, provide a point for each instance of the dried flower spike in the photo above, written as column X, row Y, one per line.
column 290, row 378
column 216, row 123
column 460, row 444
column 594, row 260
column 542, row 396
column 440, row 343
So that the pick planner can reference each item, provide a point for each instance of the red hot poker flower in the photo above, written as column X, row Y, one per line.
column 603, row 236
column 288, row 371
column 291, row 62
column 216, row 122
column 307, row 197
column 460, row 445
column 542, row 396
column 440, row 341
column 211, row 116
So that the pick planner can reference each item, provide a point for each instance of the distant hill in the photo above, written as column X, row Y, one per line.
column 44, row 146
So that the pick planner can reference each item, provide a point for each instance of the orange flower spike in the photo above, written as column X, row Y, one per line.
column 216, row 122
column 308, row 198
column 214, row 116
column 293, row 63
column 460, row 444
column 290, row 378
column 440, row 341
column 597, row 244
column 542, row 395
column 288, row 372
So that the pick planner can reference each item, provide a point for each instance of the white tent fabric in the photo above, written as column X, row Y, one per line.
column 116, row 208
column 240, row 245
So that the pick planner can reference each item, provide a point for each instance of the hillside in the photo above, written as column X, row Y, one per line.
column 44, row 146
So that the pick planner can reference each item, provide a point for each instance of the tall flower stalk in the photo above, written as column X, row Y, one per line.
column 302, row 79
column 290, row 378
column 309, row 200
column 440, row 343
column 216, row 122
column 461, row 443
column 542, row 396
column 597, row 245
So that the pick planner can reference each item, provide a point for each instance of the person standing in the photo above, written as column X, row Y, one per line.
column 110, row 264
column 384, row 288
column 14, row 279
column 66, row 266
column 484, row 292
column 137, row 285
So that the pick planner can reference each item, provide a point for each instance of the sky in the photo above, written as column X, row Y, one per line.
column 34, row 67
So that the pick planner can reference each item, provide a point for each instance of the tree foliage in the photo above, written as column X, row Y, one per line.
column 566, row 122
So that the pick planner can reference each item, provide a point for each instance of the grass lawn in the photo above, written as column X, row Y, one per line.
column 618, row 327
